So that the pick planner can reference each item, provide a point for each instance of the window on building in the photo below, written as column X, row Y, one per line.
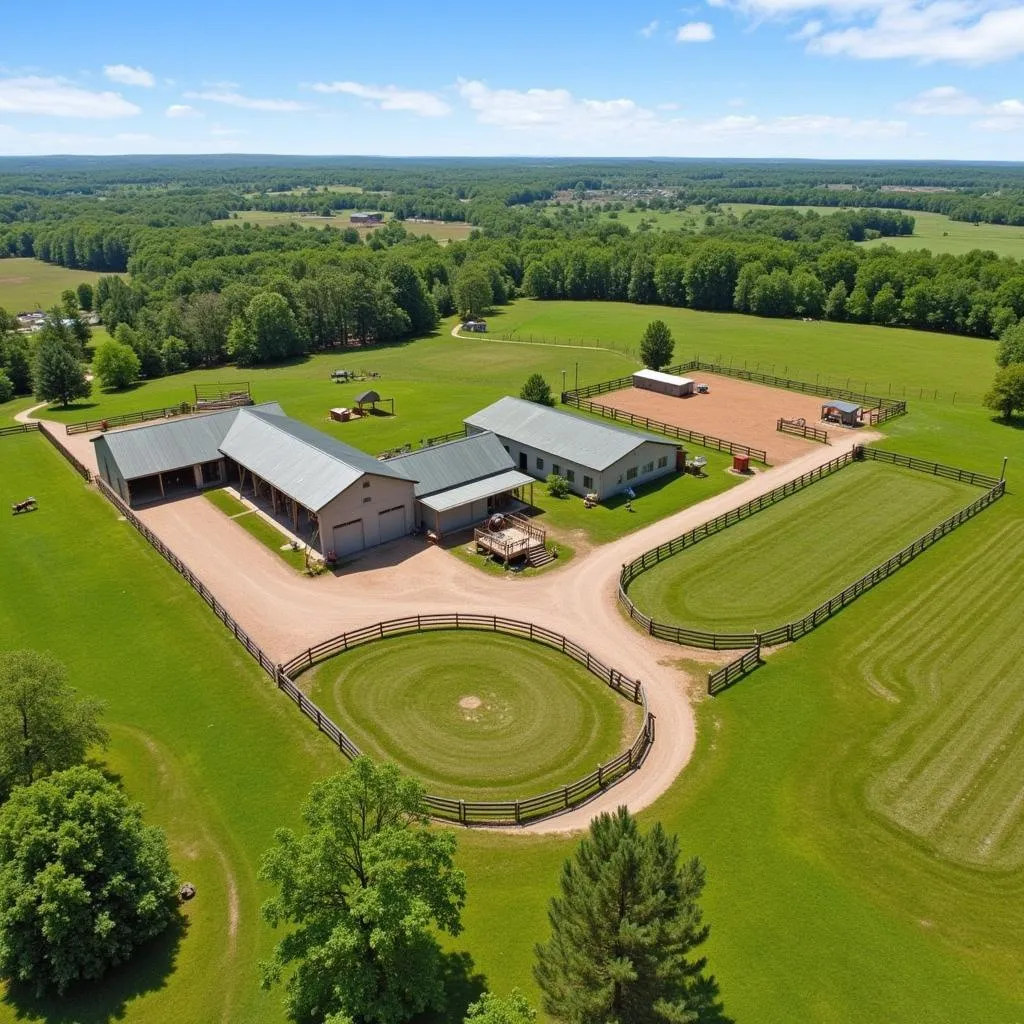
column 588, row 481
column 663, row 462
column 648, row 467
column 570, row 475
column 540, row 462
column 631, row 473
column 366, row 499
column 556, row 469
column 366, row 483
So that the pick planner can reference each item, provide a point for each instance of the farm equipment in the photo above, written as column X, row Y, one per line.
column 28, row 505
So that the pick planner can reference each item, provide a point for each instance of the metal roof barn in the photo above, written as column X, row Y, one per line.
column 477, row 490
column 560, row 434
column 300, row 461
column 453, row 464
column 663, row 383
column 173, row 444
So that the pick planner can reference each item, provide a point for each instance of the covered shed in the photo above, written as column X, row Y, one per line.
column 368, row 401
column 663, row 383
column 462, row 482
column 836, row 411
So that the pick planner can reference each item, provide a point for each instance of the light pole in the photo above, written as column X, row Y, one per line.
column 563, row 382
column 577, row 384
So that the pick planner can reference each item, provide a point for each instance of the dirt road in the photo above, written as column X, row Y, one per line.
column 285, row 612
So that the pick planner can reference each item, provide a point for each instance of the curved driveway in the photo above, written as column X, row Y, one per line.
column 285, row 612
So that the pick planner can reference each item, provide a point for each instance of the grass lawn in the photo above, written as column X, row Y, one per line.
column 255, row 525
column 903, row 363
column 935, row 231
column 611, row 519
column 27, row 284
column 475, row 715
column 783, row 562
column 198, row 734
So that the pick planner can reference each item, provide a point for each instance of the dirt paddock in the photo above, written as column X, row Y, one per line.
column 735, row 410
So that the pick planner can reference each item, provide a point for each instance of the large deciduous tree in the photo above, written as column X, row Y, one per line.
column 83, row 882
column 1011, row 346
column 492, row 1009
column 364, row 892
column 656, row 345
column 44, row 726
column 624, row 929
column 473, row 295
column 117, row 365
column 1006, row 396
column 57, row 375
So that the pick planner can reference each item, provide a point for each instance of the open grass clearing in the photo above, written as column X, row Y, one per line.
column 881, row 360
column 28, row 284
column 443, row 231
column 475, row 715
column 935, row 231
column 256, row 526
column 779, row 564
column 198, row 734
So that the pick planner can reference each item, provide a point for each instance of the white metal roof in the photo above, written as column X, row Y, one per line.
column 476, row 490
column 443, row 466
column 664, row 378
column 561, row 435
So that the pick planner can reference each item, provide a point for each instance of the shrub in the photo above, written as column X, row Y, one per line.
column 558, row 486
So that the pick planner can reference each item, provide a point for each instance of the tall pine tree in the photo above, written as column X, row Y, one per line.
column 623, row 931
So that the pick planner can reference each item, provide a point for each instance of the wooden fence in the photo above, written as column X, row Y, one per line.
column 501, row 812
column 85, row 426
column 724, row 677
column 21, row 428
column 879, row 409
column 791, row 631
column 801, row 429
column 668, row 429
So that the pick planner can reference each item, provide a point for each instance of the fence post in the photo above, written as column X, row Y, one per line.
column 600, row 776
column 462, row 811
column 518, row 820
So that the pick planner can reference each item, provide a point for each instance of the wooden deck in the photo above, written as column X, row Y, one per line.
column 515, row 539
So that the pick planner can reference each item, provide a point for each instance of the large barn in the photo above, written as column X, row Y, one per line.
column 593, row 457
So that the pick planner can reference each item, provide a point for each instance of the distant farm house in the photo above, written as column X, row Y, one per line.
column 367, row 218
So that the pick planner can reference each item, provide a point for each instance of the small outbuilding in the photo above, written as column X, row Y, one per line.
column 366, row 218
column 663, row 383
column 846, row 413
column 368, row 401
column 475, row 326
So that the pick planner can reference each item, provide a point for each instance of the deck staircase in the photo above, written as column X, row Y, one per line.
column 538, row 556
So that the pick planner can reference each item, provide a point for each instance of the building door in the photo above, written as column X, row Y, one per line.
column 348, row 538
column 522, row 461
column 392, row 523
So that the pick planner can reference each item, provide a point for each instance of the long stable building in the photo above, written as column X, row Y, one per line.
column 338, row 499
column 593, row 457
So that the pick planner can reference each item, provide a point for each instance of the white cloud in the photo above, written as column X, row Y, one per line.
column 236, row 99
column 127, row 75
column 949, row 101
column 809, row 30
column 668, row 106
column 650, row 28
column 182, row 110
column 53, row 97
column 390, row 97
column 695, row 32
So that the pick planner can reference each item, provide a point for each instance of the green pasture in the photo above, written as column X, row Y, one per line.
column 443, row 231
column 28, row 284
column 199, row 735
column 935, row 231
column 781, row 563
column 480, row 716
column 915, row 365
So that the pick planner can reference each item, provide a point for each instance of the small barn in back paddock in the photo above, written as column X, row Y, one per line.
column 663, row 383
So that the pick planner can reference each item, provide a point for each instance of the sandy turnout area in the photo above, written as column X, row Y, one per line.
column 735, row 410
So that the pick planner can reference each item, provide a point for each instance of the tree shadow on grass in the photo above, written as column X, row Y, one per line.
column 108, row 998
column 462, row 985
column 71, row 406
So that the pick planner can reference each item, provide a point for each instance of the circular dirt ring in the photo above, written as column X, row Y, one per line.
column 477, row 715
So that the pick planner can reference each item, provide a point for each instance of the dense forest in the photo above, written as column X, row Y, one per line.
column 198, row 293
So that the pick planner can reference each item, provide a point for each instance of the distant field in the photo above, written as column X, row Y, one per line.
column 443, row 231
column 27, row 284
column 318, row 188
column 938, row 233
column 783, row 562
column 476, row 715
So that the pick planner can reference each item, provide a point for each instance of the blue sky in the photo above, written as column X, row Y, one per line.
column 929, row 79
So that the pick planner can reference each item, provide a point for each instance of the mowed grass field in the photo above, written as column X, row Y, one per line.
column 915, row 365
column 935, row 231
column 475, row 715
column 443, row 231
column 27, row 284
column 781, row 563
column 199, row 736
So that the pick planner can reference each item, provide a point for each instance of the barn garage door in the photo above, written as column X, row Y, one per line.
column 348, row 538
column 392, row 523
